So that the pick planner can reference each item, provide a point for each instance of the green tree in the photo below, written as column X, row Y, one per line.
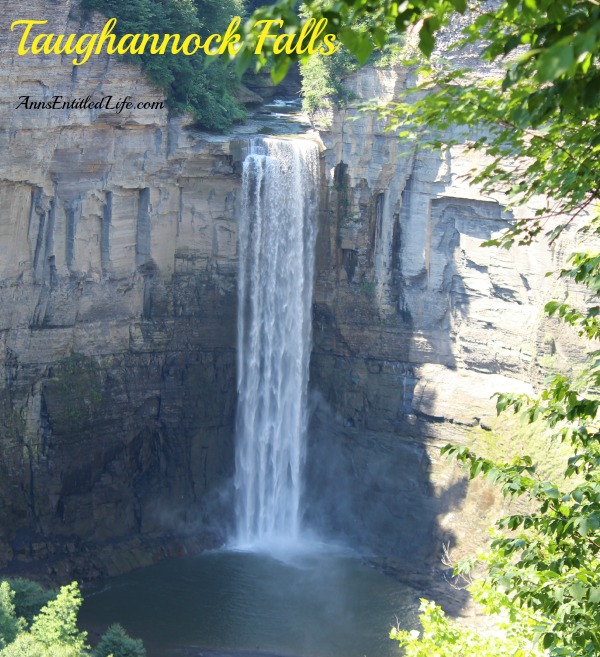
column 29, row 597
column 322, row 80
column 56, row 624
column 53, row 631
column 10, row 625
column 116, row 642
column 25, row 645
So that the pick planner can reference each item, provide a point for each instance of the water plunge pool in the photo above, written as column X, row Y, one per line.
column 325, row 604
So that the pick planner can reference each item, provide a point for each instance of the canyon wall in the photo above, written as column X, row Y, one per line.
column 416, row 326
column 117, row 316
column 118, row 267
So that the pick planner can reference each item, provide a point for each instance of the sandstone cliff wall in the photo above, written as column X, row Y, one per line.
column 416, row 327
column 117, row 314
column 117, row 325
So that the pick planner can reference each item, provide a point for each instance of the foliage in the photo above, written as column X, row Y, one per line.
column 118, row 643
column 542, row 115
column 29, row 597
column 26, row 645
column 10, row 625
column 322, row 80
column 442, row 637
column 53, row 630
column 550, row 560
column 509, row 435
column 322, row 76
column 539, row 122
column 560, row 35
column 361, row 25
column 543, row 566
column 554, row 164
column 205, row 86
column 56, row 624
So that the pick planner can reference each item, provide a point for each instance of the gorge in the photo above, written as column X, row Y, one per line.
column 118, row 342
column 276, row 587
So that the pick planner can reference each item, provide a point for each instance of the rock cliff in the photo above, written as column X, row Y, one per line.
column 118, row 311
column 117, row 315
column 416, row 327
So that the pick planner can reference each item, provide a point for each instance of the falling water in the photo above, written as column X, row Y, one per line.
column 277, row 243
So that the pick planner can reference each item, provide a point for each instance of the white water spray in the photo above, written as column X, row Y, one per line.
column 277, row 243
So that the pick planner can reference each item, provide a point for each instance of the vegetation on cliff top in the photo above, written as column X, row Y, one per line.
column 323, row 76
column 202, row 85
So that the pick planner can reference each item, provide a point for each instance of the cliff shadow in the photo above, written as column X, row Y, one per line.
column 390, row 384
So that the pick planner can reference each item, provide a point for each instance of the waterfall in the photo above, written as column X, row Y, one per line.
column 276, row 253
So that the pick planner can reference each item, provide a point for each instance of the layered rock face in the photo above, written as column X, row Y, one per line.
column 117, row 315
column 118, row 269
column 416, row 327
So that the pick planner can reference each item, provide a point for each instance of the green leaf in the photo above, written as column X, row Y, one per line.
column 577, row 590
column 552, row 492
column 426, row 38
column 243, row 59
column 460, row 5
column 363, row 49
column 280, row 68
column 551, row 307
column 555, row 62
column 349, row 38
column 380, row 37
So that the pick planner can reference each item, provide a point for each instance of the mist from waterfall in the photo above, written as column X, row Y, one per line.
column 277, row 233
